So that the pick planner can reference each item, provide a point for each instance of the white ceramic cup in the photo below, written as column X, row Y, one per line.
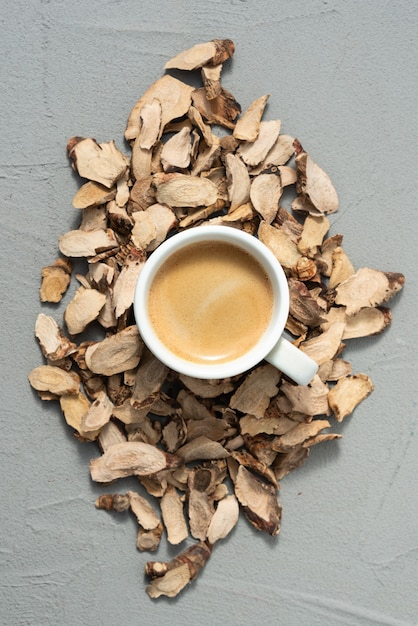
column 272, row 346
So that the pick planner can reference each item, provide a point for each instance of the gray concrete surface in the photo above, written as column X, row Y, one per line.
column 342, row 77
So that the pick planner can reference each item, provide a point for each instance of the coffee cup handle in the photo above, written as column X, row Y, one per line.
column 292, row 362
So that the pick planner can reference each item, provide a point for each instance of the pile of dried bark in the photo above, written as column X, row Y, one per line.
column 201, row 450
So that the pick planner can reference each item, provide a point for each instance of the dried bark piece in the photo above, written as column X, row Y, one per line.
column 101, row 275
column 131, row 458
column 303, row 306
column 174, row 97
column 269, row 424
column 84, row 307
column 145, row 430
column 116, row 353
column 211, row 78
column 342, row 268
column 55, row 280
column 247, row 127
column 143, row 231
column 289, row 461
column 55, row 380
column 192, row 409
column 244, row 213
column 238, row 181
column 205, row 159
column 207, row 388
column 280, row 243
column 348, row 393
column 109, row 435
column 222, row 110
column 196, row 119
column 265, row 193
column 144, row 512
column 320, row 439
column 368, row 287
column 324, row 257
column 93, row 218
column 254, row 152
column 149, row 379
column 368, row 321
column 174, row 433
column 141, row 161
column 202, row 449
column 314, row 230
column 54, row 344
column 209, row 53
column 213, row 428
column 74, row 407
column 98, row 414
column 259, row 501
column 176, row 152
column 288, row 224
column 224, row 519
column 278, row 155
column 150, row 124
column 201, row 214
column 324, row 347
column 311, row 399
column 287, row 175
column 124, row 289
column 313, row 183
column 170, row 578
column 201, row 512
column 80, row 243
column 300, row 434
column 340, row 369
column 127, row 414
column 164, row 220
column 173, row 516
column 181, row 190
column 102, row 163
column 255, row 466
column 118, row 217
column 253, row 395
column 92, row 194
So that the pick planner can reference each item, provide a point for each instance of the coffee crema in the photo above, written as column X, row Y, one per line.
column 210, row 302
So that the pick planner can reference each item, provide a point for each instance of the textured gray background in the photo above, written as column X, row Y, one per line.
column 342, row 77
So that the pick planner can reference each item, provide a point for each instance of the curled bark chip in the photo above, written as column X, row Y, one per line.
column 188, row 441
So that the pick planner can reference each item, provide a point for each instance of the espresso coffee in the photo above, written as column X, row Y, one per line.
column 210, row 302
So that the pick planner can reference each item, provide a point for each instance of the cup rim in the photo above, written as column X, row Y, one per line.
column 252, row 245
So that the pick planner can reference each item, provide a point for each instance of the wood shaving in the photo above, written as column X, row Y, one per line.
column 200, row 450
